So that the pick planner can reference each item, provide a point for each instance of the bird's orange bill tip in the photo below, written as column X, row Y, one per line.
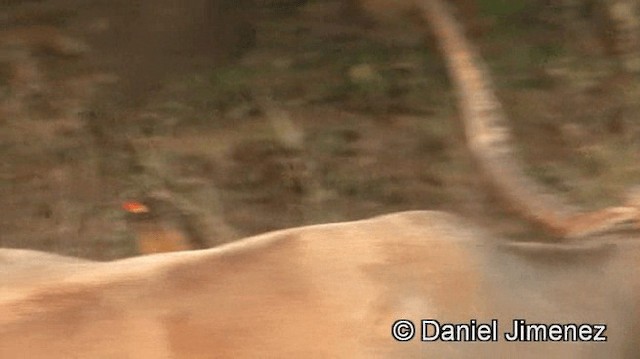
column 135, row 207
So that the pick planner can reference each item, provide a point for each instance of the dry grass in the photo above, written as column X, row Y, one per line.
column 376, row 125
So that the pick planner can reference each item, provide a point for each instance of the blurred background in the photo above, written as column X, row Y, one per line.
column 242, row 117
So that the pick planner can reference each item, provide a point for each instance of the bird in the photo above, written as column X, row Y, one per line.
column 160, row 226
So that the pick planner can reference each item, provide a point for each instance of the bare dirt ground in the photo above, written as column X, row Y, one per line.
column 249, row 119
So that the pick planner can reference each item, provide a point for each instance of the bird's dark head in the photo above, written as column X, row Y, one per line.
column 137, row 211
column 150, row 207
column 135, row 207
